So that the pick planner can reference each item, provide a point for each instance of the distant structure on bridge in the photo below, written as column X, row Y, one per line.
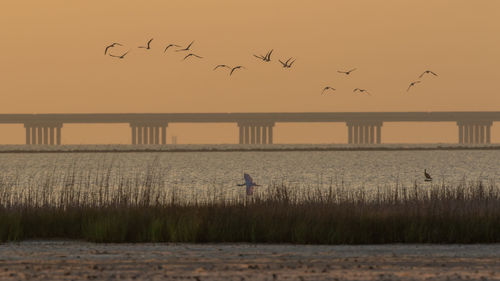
column 254, row 128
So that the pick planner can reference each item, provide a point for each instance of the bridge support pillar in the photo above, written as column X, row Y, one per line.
column 28, row 133
column 41, row 133
column 364, row 132
column 149, row 132
column 474, row 132
column 255, row 132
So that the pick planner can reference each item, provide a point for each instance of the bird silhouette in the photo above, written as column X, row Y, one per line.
column 120, row 57
column 191, row 55
column 187, row 48
column 266, row 58
column 361, row 91
column 111, row 46
column 249, row 183
column 327, row 88
column 286, row 64
column 170, row 45
column 412, row 84
column 222, row 65
column 427, row 176
column 427, row 72
column 346, row 72
column 148, row 45
column 235, row 68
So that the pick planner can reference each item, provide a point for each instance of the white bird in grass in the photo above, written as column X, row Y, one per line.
column 249, row 183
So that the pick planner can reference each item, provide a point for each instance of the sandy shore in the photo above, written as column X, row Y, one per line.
column 69, row 260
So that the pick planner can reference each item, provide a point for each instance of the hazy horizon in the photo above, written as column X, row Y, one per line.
column 52, row 61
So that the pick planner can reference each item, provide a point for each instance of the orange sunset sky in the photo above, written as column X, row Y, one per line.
column 52, row 61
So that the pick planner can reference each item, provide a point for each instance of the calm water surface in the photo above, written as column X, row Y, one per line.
column 198, row 172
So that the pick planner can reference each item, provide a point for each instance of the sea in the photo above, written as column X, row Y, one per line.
column 196, row 172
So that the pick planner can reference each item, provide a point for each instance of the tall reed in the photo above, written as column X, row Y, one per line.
column 104, row 205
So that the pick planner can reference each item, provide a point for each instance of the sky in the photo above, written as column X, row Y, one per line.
column 52, row 61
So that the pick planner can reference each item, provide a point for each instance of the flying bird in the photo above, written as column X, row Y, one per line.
column 266, row 58
column 148, row 45
column 361, row 91
column 412, row 84
column 235, row 68
column 171, row 45
column 346, row 72
column 249, row 183
column 286, row 64
column 327, row 88
column 111, row 46
column 191, row 55
column 427, row 72
column 427, row 176
column 120, row 57
column 222, row 65
column 187, row 48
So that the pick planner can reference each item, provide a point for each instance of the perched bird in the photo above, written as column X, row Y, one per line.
column 412, row 84
column 427, row 176
column 346, row 72
column 185, row 49
column 148, row 45
column 361, row 91
column 222, row 65
column 191, row 55
column 249, row 183
column 120, row 57
column 427, row 72
column 327, row 88
column 236, row 67
column 171, row 45
column 111, row 46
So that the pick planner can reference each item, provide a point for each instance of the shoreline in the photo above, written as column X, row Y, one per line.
column 126, row 148
column 64, row 260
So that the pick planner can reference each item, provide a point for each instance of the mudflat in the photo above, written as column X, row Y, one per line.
column 74, row 260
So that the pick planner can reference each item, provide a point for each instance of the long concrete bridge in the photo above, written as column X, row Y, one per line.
column 254, row 128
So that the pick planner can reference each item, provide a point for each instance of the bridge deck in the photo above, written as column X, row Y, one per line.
column 238, row 117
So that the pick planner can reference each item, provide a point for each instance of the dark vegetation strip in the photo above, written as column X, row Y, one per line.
column 462, row 214
column 257, row 149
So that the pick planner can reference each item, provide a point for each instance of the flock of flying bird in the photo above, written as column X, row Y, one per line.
column 265, row 58
column 249, row 183
column 330, row 88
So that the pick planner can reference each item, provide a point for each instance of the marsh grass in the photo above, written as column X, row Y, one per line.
column 105, row 206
